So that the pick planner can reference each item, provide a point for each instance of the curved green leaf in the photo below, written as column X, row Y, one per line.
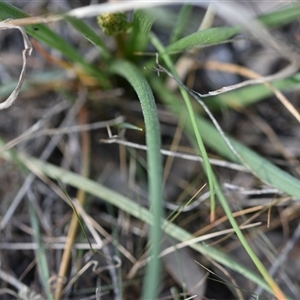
column 144, row 92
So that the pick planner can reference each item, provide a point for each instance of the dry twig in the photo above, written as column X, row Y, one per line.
column 25, row 53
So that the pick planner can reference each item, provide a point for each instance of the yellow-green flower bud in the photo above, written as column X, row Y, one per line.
column 113, row 24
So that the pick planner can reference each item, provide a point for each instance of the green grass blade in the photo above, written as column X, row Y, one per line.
column 191, row 116
column 141, row 26
column 207, row 37
column 89, row 34
column 281, row 17
column 144, row 92
column 42, row 263
column 181, row 23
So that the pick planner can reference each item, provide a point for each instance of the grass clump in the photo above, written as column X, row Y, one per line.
column 116, row 191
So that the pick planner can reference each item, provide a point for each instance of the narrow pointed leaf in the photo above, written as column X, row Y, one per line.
column 144, row 92
column 208, row 37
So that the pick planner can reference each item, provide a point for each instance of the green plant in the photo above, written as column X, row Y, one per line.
column 134, row 37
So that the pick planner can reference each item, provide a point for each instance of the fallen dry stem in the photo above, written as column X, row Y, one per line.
column 243, row 212
column 213, row 161
column 25, row 53
column 257, row 78
column 83, row 119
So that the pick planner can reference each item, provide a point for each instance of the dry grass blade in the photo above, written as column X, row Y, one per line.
column 36, row 131
column 25, row 53
column 257, row 79
column 286, row 72
column 24, row 292
column 92, row 11
column 213, row 161
column 83, row 117
column 44, row 156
